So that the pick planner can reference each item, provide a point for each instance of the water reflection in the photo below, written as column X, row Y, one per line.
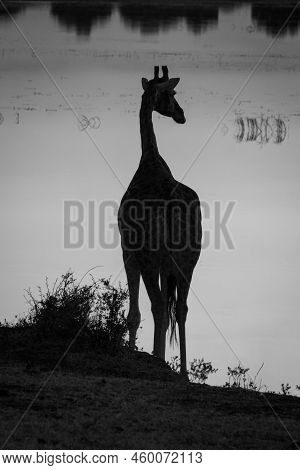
column 93, row 122
column 270, row 18
column 13, row 10
column 150, row 17
column 233, row 5
column 262, row 130
column 80, row 17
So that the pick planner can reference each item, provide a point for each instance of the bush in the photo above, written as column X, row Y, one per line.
column 239, row 378
column 63, row 310
column 93, row 313
column 199, row 369
column 285, row 389
column 108, row 325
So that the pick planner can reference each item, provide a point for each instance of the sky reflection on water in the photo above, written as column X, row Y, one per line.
column 97, row 60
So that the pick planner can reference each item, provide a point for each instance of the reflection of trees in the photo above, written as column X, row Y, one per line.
column 151, row 18
column 81, row 18
column 262, row 130
column 201, row 18
column 233, row 5
column 14, row 10
column 270, row 18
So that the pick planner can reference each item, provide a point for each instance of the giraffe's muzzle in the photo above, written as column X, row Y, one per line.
column 179, row 119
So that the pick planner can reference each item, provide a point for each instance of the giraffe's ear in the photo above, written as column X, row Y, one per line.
column 168, row 84
column 173, row 82
column 145, row 83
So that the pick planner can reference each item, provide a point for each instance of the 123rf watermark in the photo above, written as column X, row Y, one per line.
column 95, row 224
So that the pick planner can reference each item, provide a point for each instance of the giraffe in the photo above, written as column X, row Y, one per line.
column 160, row 225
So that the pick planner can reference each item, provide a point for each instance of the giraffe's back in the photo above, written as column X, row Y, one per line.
column 159, row 215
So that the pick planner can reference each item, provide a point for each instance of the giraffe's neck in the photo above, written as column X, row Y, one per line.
column 149, row 145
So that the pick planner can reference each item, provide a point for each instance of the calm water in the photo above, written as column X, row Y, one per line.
column 90, row 63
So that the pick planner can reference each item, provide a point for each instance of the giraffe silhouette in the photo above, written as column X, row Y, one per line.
column 160, row 225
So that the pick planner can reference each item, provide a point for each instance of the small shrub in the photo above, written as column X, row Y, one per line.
column 199, row 369
column 175, row 364
column 285, row 389
column 239, row 378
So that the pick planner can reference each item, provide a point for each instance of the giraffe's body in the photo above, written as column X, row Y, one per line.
column 160, row 225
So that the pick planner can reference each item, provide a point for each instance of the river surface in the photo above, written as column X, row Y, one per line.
column 70, row 91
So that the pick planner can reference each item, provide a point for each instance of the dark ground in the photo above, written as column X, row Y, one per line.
column 133, row 401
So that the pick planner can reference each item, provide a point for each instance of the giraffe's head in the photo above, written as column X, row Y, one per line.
column 163, row 90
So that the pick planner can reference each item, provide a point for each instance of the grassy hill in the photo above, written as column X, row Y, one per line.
column 132, row 400
column 69, row 381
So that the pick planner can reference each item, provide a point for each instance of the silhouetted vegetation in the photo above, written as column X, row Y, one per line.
column 91, row 316
column 90, row 319
column 93, row 401
column 239, row 377
column 285, row 389
column 198, row 371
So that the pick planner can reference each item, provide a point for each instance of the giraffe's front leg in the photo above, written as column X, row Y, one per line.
column 133, row 323
column 150, row 274
column 133, row 279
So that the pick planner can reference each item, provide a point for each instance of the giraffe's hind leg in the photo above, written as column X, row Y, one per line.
column 165, row 318
column 181, row 314
column 159, row 311
column 133, row 278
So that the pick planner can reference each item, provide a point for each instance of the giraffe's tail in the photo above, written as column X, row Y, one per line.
column 171, row 292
